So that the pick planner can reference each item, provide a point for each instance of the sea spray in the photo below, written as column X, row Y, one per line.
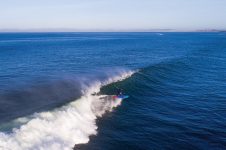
column 63, row 127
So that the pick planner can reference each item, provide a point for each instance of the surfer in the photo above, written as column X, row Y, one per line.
column 119, row 92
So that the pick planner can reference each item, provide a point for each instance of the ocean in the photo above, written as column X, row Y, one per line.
column 55, row 91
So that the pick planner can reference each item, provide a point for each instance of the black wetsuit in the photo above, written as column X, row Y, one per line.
column 119, row 92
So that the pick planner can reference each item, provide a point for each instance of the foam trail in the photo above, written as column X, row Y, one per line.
column 62, row 128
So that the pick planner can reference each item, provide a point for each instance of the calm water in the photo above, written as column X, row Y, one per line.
column 176, row 83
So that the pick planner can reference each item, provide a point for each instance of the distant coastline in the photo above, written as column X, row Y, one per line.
column 99, row 30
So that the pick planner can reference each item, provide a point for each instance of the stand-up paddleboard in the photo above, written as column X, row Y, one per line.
column 121, row 96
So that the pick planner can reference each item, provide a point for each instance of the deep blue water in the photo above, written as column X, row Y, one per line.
column 177, row 94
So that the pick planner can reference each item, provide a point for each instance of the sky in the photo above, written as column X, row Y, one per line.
column 112, row 15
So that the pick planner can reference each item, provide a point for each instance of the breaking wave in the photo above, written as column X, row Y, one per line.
column 64, row 127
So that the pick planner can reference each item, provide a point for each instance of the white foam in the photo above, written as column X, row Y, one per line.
column 62, row 128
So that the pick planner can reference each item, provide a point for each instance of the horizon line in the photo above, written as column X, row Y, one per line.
column 106, row 30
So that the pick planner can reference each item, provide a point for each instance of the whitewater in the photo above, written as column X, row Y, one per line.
column 65, row 127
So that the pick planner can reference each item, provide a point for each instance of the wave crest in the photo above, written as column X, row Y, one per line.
column 64, row 127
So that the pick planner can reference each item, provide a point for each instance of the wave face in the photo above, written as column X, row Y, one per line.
column 66, row 126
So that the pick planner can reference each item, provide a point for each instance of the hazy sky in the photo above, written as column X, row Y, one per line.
column 111, row 15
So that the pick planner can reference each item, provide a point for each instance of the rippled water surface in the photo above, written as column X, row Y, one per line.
column 176, row 83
